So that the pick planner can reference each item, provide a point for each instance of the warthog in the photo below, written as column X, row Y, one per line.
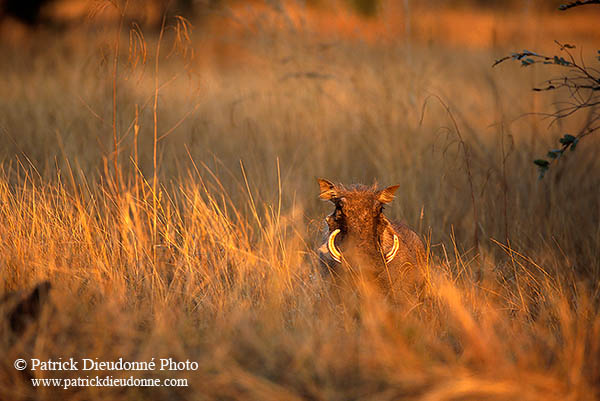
column 361, row 243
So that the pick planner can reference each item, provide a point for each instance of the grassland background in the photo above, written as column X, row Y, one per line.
column 216, row 264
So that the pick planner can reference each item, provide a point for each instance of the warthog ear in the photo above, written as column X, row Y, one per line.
column 387, row 195
column 328, row 189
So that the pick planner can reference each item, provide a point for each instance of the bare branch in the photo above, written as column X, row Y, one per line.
column 577, row 3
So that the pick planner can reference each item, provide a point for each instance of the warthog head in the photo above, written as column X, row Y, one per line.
column 360, row 236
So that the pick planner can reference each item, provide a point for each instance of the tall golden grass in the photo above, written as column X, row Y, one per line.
column 215, row 263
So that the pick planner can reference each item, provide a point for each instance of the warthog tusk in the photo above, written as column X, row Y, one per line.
column 392, row 253
column 335, row 254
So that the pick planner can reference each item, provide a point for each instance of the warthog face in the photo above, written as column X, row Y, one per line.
column 360, row 236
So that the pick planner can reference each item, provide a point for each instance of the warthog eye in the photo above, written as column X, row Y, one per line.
column 336, row 219
column 339, row 203
column 378, row 209
column 338, row 214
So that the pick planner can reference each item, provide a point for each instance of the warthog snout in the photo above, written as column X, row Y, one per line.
column 360, row 238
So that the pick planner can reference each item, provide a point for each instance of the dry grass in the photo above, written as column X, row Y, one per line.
column 217, row 264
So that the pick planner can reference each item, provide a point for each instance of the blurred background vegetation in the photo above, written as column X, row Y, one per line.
column 162, row 177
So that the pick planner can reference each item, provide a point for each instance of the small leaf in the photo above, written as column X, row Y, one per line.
column 574, row 144
column 541, row 163
column 529, row 53
column 561, row 61
column 555, row 153
column 527, row 61
column 547, row 88
column 567, row 139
